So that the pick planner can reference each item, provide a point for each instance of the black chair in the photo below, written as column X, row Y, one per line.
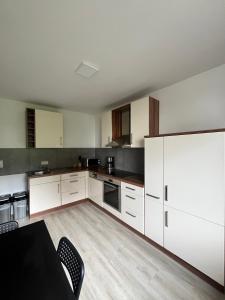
column 73, row 262
column 8, row 226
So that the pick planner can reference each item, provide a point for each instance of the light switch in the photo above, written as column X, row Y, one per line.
column 1, row 164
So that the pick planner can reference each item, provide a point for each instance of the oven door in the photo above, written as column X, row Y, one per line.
column 112, row 195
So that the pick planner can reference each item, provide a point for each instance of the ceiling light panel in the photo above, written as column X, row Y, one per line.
column 86, row 69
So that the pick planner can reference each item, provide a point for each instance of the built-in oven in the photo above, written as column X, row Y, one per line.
column 112, row 190
column 112, row 193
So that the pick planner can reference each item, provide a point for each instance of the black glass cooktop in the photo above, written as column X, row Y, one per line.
column 124, row 174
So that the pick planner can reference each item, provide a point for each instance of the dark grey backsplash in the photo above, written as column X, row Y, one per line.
column 23, row 160
column 127, row 159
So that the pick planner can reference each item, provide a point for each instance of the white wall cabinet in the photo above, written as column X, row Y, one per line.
column 132, row 206
column 95, row 190
column 44, row 193
column 197, row 241
column 48, row 129
column 154, row 189
column 106, row 128
column 139, row 121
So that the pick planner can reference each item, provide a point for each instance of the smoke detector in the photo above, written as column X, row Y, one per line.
column 86, row 69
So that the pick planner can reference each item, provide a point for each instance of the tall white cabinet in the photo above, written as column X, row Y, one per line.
column 187, row 171
column 154, row 189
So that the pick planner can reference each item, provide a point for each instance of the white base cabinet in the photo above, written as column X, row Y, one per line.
column 44, row 194
column 197, row 241
column 53, row 191
column 132, row 206
column 95, row 190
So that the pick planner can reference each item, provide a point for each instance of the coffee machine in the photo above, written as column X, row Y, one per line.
column 110, row 162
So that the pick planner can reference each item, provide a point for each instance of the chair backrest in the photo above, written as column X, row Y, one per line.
column 8, row 226
column 71, row 259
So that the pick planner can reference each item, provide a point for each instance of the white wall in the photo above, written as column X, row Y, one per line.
column 79, row 128
column 196, row 103
column 10, row 184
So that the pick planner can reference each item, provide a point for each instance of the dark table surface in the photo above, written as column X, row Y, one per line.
column 30, row 268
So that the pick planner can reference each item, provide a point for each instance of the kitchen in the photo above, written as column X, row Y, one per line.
column 134, row 178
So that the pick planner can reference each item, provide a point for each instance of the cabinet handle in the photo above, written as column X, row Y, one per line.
column 166, row 192
column 129, row 188
column 131, row 138
column 152, row 196
column 71, row 181
column 166, row 218
column 130, row 214
column 73, row 193
column 73, row 175
column 58, row 188
column 130, row 197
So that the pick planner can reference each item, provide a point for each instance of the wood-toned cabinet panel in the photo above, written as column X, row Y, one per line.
column 197, row 241
column 48, row 129
column 194, row 174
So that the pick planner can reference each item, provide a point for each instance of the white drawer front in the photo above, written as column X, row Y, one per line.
column 72, row 197
column 132, row 188
column 133, row 210
column 44, row 179
column 73, row 185
column 132, row 202
column 134, row 220
column 73, row 175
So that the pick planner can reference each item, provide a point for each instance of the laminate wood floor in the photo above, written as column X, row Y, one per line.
column 119, row 265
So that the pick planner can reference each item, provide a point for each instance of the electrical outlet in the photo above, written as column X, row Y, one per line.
column 1, row 164
column 44, row 163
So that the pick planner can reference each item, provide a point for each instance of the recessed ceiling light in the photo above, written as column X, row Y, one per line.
column 86, row 69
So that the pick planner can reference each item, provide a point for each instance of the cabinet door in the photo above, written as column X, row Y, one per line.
column 154, row 189
column 48, row 129
column 197, row 241
column 194, row 174
column 95, row 190
column 139, row 121
column 154, row 220
column 154, row 168
column 73, row 190
column 106, row 127
column 44, row 196
column 132, row 209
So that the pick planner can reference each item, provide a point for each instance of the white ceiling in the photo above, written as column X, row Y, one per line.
column 139, row 46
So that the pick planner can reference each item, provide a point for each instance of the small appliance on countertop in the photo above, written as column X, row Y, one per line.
column 90, row 162
column 110, row 162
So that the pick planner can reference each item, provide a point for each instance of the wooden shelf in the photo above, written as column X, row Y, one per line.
column 30, row 123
